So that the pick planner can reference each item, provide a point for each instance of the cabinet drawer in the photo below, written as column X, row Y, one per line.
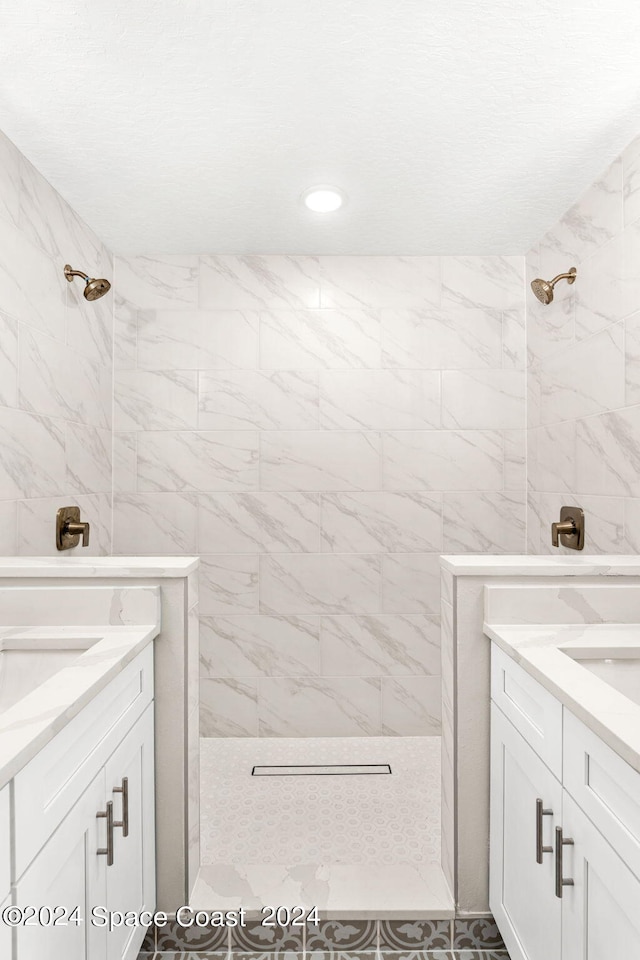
column 5, row 843
column 605, row 787
column 50, row 784
column 533, row 711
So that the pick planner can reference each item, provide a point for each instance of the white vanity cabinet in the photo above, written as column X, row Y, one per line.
column 526, row 798
column 565, row 843
column 99, row 848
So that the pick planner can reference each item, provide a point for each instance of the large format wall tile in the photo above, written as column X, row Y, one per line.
column 323, row 460
column 319, row 583
column 259, row 400
column 584, row 362
column 381, row 522
column 197, row 460
column 320, row 429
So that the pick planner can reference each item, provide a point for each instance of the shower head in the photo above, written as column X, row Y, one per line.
column 543, row 289
column 94, row 289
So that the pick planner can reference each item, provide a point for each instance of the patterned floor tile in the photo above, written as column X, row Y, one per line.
column 342, row 935
column 481, row 955
column 413, row 935
column 255, row 937
column 479, row 933
column 177, row 939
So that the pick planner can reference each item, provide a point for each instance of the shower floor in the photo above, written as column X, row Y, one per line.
column 354, row 846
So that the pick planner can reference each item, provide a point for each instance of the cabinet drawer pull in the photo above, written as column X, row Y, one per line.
column 124, row 790
column 560, row 880
column 540, row 813
column 108, row 850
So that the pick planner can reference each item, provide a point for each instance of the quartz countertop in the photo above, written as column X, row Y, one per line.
column 610, row 565
column 28, row 725
column 97, row 566
column 538, row 650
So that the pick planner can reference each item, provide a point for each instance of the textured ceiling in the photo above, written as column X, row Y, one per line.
column 453, row 126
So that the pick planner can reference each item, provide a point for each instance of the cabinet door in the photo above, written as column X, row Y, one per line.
column 68, row 872
column 5, row 935
column 521, row 890
column 131, row 877
column 601, row 911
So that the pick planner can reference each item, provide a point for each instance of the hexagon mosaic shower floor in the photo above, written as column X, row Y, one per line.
column 352, row 845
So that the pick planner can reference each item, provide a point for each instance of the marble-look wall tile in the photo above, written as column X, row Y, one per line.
column 313, row 707
column 319, row 339
column 197, row 460
column 20, row 262
column 55, row 365
column 8, row 361
column 259, row 646
column 228, row 708
column 258, row 522
column 325, row 460
column 8, row 527
column 631, row 181
column 482, row 399
column 411, row 706
column 379, row 399
column 443, row 460
column 376, row 282
column 228, row 584
column 55, row 382
column 157, row 283
column 259, row 400
column 381, row 522
column 484, row 522
column 33, row 462
column 197, row 339
column 381, row 645
column 155, row 400
column 490, row 283
column 609, row 287
column 458, row 338
column 295, row 404
column 411, row 583
column 155, row 523
column 9, row 181
column 319, row 583
column 632, row 359
column 592, row 382
column 259, row 283
column 88, row 456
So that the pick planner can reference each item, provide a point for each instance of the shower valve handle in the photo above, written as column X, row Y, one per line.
column 78, row 529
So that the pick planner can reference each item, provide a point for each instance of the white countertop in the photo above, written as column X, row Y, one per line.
column 97, row 566
column 514, row 565
column 538, row 649
column 34, row 720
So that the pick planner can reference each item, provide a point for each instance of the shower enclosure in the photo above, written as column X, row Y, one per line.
column 319, row 430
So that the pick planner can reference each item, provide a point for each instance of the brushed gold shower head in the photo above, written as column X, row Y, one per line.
column 94, row 288
column 543, row 289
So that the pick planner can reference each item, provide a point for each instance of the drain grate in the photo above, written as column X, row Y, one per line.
column 323, row 770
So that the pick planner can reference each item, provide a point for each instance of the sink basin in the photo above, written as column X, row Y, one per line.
column 619, row 668
column 26, row 664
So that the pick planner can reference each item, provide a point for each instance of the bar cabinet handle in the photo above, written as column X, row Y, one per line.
column 124, row 790
column 540, row 813
column 561, row 842
column 108, row 850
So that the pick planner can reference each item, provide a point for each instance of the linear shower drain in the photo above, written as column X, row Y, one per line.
column 323, row 770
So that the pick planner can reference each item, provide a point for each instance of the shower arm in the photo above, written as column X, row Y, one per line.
column 570, row 277
column 70, row 274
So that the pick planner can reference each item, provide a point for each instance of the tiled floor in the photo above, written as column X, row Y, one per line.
column 353, row 846
column 468, row 939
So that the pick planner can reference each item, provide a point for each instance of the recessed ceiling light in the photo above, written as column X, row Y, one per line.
column 323, row 199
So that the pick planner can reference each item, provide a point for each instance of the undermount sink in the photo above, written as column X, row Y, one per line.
column 26, row 664
column 619, row 668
